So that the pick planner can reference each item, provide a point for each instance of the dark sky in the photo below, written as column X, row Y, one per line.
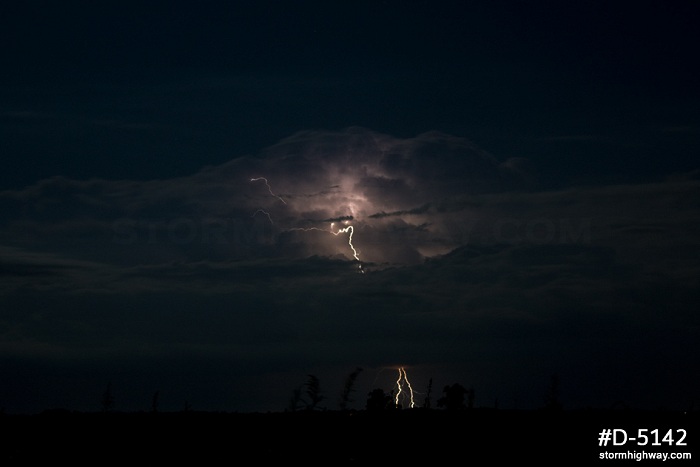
column 484, row 192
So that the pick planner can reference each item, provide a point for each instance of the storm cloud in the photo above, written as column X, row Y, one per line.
column 240, row 277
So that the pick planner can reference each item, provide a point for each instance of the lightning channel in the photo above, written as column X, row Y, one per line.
column 349, row 230
column 262, row 211
column 403, row 376
column 269, row 188
column 399, row 389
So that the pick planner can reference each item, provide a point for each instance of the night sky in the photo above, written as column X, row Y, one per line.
column 214, row 200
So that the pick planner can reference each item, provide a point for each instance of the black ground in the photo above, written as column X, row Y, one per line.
column 413, row 437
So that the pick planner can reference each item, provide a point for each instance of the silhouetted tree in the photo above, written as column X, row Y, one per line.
column 348, row 389
column 378, row 400
column 108, row 398
column 426, row 402
column 313, row 392
column 454, row 397
column 295, row 400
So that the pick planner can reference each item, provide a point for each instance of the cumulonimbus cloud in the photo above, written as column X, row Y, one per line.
column 463, row 266
column 316, row 181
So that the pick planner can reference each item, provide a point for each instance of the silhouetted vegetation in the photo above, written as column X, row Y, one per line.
column 348, row 389
column 295, row 401
column 379, row 432
column 313, row 392
column 454, row 396
column 378, row 400
column 426, row 402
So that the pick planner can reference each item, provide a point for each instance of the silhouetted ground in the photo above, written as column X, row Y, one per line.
column 476, row 437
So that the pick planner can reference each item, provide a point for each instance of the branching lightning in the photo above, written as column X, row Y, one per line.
column 268, row 187
column 349, row 229
column 399, row 386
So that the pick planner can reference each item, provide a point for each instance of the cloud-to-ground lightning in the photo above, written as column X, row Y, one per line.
column 349, row 229
column 399, row 386
column 269, row 188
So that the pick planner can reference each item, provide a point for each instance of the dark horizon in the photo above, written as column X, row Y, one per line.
column 214, row 200
column 348, row 437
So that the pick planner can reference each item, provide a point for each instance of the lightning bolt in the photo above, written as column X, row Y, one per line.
column 267, row 184
column 349, row 229
column 265, row 213
column 403, row 376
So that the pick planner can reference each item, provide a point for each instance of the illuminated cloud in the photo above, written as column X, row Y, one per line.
column 364, row 177
column 280, row 202
column 464, row 269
